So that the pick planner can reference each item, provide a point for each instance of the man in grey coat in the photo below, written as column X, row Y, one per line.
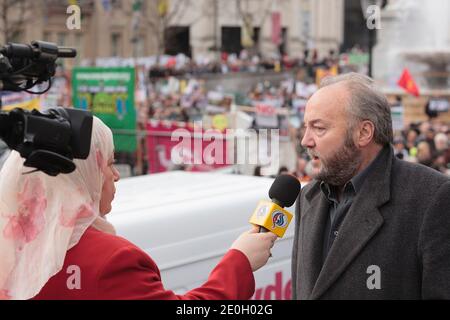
column 369, row 226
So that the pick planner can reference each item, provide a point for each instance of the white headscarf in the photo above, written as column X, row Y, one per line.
column 41, row 217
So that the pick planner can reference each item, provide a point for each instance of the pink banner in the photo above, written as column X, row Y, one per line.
column 276, row 28
column 176, row 145
column 265, row 109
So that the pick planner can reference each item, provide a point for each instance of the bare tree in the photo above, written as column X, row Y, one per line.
column 158, row 16
column 263, row 9
column 13, row 18
column 161, row 22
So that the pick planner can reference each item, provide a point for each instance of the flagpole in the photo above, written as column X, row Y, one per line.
column 371, row 43
column 365, row 4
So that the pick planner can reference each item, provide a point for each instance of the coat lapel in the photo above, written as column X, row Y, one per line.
column 356, row 231
column 361, row 223
column 312, row 239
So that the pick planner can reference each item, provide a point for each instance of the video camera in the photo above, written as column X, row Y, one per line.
column 50, row 140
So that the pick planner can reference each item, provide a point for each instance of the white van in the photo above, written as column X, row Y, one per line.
column 187, row 221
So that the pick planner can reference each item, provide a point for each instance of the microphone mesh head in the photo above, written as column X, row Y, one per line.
column 285, row 190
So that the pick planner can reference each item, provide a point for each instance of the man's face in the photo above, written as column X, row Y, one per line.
column 328, row 137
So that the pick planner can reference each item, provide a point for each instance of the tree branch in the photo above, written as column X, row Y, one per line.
column 239, row 9
column 266, row 12
column 176, row 9
column 10, row 28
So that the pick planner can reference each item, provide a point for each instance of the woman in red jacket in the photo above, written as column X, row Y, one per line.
column 56, row 244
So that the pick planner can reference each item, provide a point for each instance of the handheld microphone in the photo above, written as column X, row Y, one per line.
column 270, row 215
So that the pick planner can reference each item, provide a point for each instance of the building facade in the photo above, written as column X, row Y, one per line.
column 134, row 28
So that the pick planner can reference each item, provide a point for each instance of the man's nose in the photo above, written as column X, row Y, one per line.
column 307, row 140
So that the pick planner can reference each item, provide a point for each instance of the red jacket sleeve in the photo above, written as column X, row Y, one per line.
column 132, row 274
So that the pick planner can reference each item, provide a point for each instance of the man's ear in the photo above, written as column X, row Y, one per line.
column 366, row 133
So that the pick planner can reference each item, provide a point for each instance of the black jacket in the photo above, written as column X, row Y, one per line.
column 394, row 242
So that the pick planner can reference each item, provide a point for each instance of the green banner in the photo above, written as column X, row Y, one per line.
column 109, row 94
column 358, row 58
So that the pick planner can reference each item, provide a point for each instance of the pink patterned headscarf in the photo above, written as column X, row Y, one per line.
column 41, row 217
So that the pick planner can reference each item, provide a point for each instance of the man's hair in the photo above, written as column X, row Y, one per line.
column 366, row 103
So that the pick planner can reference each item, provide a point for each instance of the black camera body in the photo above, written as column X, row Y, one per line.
column 50, row 140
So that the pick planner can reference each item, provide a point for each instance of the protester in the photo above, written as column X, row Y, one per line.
column 411, row 139
column 424, row 154
column 441, row 142
column 399, row 149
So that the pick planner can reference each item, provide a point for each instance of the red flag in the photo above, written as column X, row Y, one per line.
column 407, row 82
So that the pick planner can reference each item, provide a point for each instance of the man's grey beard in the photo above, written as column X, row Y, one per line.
column 342, row 165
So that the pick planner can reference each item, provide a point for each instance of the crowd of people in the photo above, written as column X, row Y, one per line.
column 195, row 101
column 426, row 143
column 245, row 61
column 176, row 91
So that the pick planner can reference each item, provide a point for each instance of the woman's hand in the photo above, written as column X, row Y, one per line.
column 256, row 246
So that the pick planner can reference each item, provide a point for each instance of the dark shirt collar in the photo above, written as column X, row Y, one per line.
column 330, row 191
column 355, row 184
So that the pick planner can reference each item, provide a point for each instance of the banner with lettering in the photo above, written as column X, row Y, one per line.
column 109, row 94
column 177, row 145
column 266, row 113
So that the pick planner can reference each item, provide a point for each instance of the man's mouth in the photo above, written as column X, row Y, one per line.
column 313, row 155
